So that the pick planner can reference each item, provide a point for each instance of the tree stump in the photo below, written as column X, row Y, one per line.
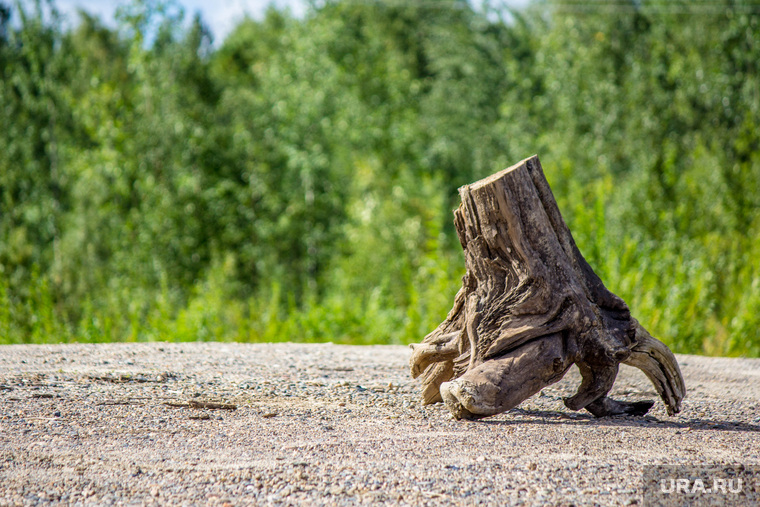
column 529, row 308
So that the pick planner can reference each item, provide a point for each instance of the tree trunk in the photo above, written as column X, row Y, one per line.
column 530, row 307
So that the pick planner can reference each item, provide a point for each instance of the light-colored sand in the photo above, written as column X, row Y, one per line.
column 327, row 424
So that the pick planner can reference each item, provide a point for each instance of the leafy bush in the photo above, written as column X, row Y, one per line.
column 295, row 181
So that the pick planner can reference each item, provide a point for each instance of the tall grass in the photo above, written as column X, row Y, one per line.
column 698, row 297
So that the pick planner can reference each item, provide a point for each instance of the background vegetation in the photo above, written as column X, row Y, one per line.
column 295, row 181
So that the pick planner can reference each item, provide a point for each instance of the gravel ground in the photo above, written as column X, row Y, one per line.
column 323, row 424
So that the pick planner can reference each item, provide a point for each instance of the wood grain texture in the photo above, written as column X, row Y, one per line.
column 530, row 307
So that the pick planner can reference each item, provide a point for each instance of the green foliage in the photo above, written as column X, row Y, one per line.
column 295, row 181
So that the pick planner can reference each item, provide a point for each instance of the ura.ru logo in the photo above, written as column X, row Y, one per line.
column 688, row 486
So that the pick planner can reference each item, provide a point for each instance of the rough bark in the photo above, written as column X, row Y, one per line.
column 530, row 307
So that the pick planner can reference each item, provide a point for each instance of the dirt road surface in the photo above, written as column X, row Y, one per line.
column 323, row 424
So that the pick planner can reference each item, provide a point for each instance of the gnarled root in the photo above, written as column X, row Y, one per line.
column 605, row 406
column 659, row 364
column 592, row 394
column 504, row 382
column 441, row 348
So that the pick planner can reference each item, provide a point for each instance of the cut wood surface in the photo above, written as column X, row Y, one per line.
column 530, row 307
column 334, row 425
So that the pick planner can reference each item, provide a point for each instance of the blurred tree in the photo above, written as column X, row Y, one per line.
column 296, row 179
column 34, row 188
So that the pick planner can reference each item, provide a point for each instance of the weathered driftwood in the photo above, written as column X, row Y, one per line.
column 529, row 308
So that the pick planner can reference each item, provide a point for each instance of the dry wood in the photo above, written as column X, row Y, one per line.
column 201, row 404
column 177, row 404
column 530, row 307
column 212, row 405
column 127, row 377
column 117, row 402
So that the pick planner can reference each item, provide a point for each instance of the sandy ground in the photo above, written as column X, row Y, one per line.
column 322, row 424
